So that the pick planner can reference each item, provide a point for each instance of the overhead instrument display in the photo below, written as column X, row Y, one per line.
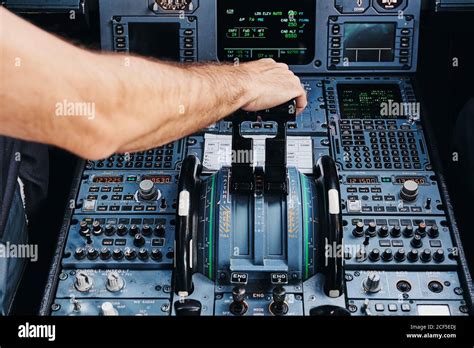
column 361, row 101
column 279, row 29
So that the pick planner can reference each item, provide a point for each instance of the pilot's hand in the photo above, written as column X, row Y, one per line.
column 272, row 84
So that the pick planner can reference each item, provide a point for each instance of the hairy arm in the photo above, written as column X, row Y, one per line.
column 137, row 103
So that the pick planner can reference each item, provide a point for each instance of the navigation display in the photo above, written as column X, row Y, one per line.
column 363, row 101
column 369, row 42
column 279, row 29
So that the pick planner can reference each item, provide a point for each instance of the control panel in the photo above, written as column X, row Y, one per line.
column 338, row 211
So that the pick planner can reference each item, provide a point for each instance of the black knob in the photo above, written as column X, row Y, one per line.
column 130, row 254
column 143, row 254
column 433, row 232
column 417, row 241
column 238, row 306
column 238, row 294
column 138, row 240
column 400, row 255
column 146, row 230
column 408, row 232
column 156, row 254
column 80, row 253
column 84, row 228
column 413, row 255
column 396, row 231
column 387, row 255
column 187, row 308
column 426, row 255
column 421, row 230
column 109, row 230
column 92, row 253
column 96, row 228
column 279, row 306
column 439, row 255
column 105, row 253
column 409, row 192
column 358, row 230
column 134, row 229
column 121, row 230
column 160, row 231
column 372, row 230
column 117, row 254
column 374, row 255
column 383, row 232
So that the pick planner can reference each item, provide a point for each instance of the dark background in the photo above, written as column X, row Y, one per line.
column 443, row 90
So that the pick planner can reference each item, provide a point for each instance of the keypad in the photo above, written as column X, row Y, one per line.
column 379, row 144
column 163, row 157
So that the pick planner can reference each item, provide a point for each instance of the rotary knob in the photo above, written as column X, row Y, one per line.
column 80, row 253
column 426, row 255
column 130, row 254
column 410, row 190
column 147, row 190
column 108, row 309
column 433, row 232
column 143, row 254
column 105, row 253
column 114, row 282
column 96, row 228
column 387, row 255
column 372, row 230
column 374, row 255
column 438, row 256
column 396, row 231
column 121, row 230
column 134, row 229
column 358, row 230
column 146, row 230
column 117, row 254
column 372, row 283
column 421, row 230
column 383, row 232
column 109, row 230
column 156, row 254
column 408, row 232
column 417, row 241
column 160, row 231
column 139, row 240
column 83, row 282
column 413, row 255
column 400, row 255
column 84, row 228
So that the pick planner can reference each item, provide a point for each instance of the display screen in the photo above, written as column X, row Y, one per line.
column 369, row 42
column 159, row 179
column 420, row 180
column 157, row 40
column 363, row 101
column 108, row 179
column 362, row 180
column 280, row 29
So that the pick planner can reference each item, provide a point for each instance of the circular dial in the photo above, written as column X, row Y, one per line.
column 175, row 5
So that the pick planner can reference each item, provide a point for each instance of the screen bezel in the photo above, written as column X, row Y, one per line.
column 313, row 43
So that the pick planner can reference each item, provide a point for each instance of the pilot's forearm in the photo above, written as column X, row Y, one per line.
column 96, row 104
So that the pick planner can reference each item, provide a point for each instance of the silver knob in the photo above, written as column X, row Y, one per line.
column 83, row 281
column 147, row 190
column 409, row 192
column 114, row 282
column 108, row 309
column 372, row 283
